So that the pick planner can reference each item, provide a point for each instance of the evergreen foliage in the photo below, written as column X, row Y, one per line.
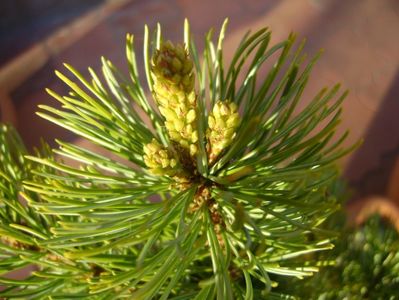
column 366, row 265
column 219, row 181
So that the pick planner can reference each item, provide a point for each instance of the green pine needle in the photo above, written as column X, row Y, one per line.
column 364, row 265
column 209, row 227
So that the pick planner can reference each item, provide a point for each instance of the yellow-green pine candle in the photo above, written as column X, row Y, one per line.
column 172, row 72
column 159, row 160
column 222, row 124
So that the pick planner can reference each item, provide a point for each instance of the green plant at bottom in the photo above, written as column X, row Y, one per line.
column 219, row 177
column 366, row 265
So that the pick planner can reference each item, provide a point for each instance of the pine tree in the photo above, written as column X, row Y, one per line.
column 226, row 183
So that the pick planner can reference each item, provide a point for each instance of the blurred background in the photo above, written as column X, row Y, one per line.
column 360, row 38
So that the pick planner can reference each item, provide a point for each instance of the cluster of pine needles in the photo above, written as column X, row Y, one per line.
column 218, row 177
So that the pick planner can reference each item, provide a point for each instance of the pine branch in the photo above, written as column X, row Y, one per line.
column 364, row 264
column 222, row 182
